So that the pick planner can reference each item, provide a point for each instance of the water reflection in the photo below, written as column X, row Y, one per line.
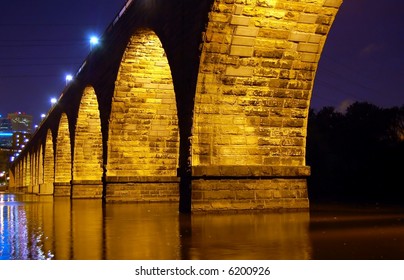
column 19, row 237
column 248, row 236
column 34, row 227
column 351, row 233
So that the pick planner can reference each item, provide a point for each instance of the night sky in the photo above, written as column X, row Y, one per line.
column 41, row 41
column 363, row 59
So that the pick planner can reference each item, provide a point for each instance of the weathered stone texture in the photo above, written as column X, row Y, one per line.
column 143, row 132
column 63, row 165
column 27, row 174
column 252, row 109
column 62, row 189
column 142, row 189
column 86, row 189
column 49, row 166
column 88, row 139
column 251, row 78
column 261, row 77
column 249, row 194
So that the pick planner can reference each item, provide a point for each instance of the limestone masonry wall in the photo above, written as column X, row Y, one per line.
column 203, row 102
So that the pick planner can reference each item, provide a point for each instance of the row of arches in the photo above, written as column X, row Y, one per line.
column 143, row 134
column 211, row 96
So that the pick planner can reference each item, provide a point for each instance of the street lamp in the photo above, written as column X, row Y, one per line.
column 93, row 41
column 53, row 100
column 69, row 78
column 43, row 116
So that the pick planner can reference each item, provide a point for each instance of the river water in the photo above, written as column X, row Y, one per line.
column 37, row 227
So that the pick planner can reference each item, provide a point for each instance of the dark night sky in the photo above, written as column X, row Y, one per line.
column 363, row 59
column 41, row 41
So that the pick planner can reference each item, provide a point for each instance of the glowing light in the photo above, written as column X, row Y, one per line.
column 94, row 40
column 68, row 78
column 5, row 134
column 43, row 116
column 53, row 100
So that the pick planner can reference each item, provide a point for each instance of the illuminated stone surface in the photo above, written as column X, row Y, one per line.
column 63, row 159
column 87, row 167
column 46, row 188
column 214, row 95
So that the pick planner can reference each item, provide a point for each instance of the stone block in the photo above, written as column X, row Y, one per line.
column 238, row 9
column 308, row 47
column 299, row 37
column 240, row 20
column 333, row 3
column 243, row 51
column 310, row 57
column 250, row 194
column 242, row 71
column 246, row 31
column 308, row 18
column 243, row 41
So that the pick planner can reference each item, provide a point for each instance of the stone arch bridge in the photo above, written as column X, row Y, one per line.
column 201, row 102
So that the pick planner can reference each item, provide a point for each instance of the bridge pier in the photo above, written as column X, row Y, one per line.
column 62, row 189
column 86, row 189
column 142, row 189
column 218, row 188
column 30, row 189
column 45, row 189
column 35, row 189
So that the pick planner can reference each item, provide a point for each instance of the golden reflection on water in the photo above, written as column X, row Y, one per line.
column 33, row 227
column 249, row 236
column 86, row 229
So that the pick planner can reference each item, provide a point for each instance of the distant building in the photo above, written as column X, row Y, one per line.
column 6, row 133
column 20, row 139
column 21, row 122
column 15, row 132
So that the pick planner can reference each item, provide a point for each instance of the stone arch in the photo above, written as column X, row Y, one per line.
column 143, row 144
column 40, row 169
column 87, row 160
column 19, row 175
column 48, row 166
column 256, row 74
column 27, row 163
column 63, row 159
column 35, row 184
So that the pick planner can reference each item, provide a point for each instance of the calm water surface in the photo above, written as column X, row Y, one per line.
column 33, row 227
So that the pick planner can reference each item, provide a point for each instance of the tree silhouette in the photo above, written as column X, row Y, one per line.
column 356, row 156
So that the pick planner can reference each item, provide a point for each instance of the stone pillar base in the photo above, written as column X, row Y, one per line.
column 62, row 189
column 142, row 189
column 30, row 189
column 45, row 189
column 19, row 189
column 86, row 189
column 228, row 188
column 35, row 189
